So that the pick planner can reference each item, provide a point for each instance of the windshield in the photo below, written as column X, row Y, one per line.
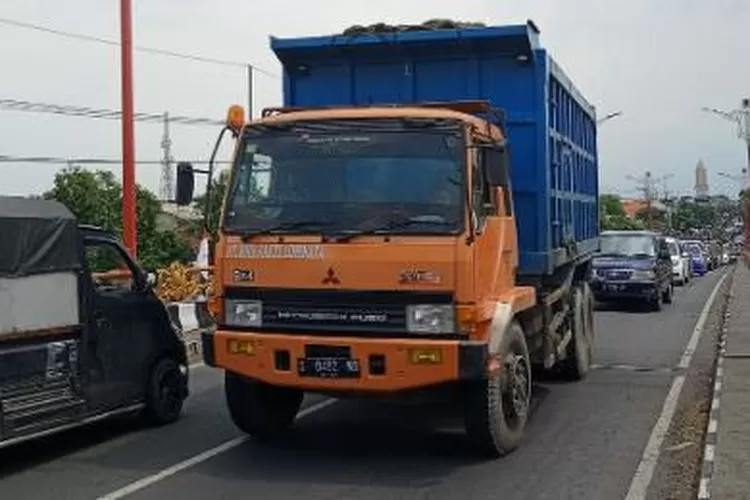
column 628, row 245
column 339, row 176
column 674, row 248
column 694, row 249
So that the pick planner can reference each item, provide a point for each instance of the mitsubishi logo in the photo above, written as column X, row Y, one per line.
column 331, row 278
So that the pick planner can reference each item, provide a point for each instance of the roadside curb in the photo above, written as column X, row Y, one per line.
column 192, row 318
column 709, row 446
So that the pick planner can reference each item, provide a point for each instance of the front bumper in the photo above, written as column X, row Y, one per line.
column 459, row 360
column 700, row 267
column 612, row 290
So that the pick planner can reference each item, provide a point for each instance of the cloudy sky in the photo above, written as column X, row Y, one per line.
column 658, row 62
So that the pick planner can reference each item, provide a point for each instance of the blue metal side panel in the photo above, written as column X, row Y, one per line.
column 551, row 128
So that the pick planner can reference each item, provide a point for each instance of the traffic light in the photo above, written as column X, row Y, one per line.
column 185, row 183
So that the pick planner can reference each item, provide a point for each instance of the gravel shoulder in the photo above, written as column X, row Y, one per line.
column 679, row 469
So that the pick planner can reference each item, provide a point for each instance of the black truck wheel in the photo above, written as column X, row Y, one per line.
column 496, row 410
column 259, row 409
column 166, row 392
column 577, row 363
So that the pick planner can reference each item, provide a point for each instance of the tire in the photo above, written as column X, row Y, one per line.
column 496, row 409
column 166, row 392
column 577, row 363
column 258, row 409
column 668, row 296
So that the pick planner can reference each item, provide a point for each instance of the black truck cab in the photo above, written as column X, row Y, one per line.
column 83, row 336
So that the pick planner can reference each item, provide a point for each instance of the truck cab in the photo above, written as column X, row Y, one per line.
column 83, row 336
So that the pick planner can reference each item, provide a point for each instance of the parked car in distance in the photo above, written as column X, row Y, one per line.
column 698, row 255
column 680, row 262
column 633, row 265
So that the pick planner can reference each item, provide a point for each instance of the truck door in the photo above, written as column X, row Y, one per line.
column 121, row 339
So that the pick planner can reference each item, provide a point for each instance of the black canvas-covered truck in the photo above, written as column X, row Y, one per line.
column 77, row 345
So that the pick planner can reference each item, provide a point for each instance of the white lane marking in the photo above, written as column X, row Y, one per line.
column 645, row 470
column 713, row 426
column 703, row 491
column 693, row 343
column 147, row 481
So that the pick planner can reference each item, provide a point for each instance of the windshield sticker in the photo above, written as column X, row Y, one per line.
column 334, row 139
column 271, row 251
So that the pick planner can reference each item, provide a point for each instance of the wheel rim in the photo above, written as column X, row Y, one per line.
column 517, row 390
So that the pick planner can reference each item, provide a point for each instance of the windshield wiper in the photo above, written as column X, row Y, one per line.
column 390, row 226
column 286, row 226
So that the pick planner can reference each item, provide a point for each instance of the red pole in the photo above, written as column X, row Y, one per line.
column 129, row 227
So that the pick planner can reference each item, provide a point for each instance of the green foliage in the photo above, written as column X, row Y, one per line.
column 613, row 215
column 95, row 197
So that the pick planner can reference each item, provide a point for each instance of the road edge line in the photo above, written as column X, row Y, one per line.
column 641, row 480
column 712, row 428
column 163, row 474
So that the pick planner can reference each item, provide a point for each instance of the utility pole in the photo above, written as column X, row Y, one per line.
column 167, row 180
column 250, row 91
column 646, row 185
column 741, row 117
column 129, row 226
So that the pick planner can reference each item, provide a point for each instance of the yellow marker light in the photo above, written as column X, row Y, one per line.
column 235, row 117
column 426, row 356
column 236, row 346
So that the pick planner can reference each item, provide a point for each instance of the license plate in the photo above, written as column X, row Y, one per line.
column 614, row 288
column 328, row 367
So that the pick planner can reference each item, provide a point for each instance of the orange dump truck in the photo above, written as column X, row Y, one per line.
column 375, row 243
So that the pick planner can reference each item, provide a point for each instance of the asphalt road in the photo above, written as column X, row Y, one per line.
column 584, row 440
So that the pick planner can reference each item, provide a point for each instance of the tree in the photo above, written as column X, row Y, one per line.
column 613, row 216
column 96, row 198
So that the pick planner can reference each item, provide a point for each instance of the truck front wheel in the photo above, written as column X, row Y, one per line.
column 259, row 409
column 497, row 409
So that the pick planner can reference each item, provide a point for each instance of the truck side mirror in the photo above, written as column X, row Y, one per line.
column 185, row 184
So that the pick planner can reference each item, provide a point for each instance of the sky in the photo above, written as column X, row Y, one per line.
column 658, row 63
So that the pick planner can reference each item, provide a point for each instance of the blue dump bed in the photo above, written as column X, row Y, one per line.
column 551, row 127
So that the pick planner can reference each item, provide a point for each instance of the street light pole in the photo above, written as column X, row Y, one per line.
column 129, row 226
column 741, row 117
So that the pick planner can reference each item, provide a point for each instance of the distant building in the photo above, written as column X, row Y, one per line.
column 701, row 181
column 633, row 206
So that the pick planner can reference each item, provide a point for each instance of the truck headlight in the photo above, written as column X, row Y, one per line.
column 429, row 318
column 244, row 313
column 640, row 274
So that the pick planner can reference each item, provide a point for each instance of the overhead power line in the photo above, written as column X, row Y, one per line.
column 105, row 114
column 56, row 160
column 150, row 50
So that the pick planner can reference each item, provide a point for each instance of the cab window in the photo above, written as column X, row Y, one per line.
column 108, row 266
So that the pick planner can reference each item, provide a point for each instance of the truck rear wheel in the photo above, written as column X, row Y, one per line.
column 496, row 410
column 580, row 348
column 258, row 409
